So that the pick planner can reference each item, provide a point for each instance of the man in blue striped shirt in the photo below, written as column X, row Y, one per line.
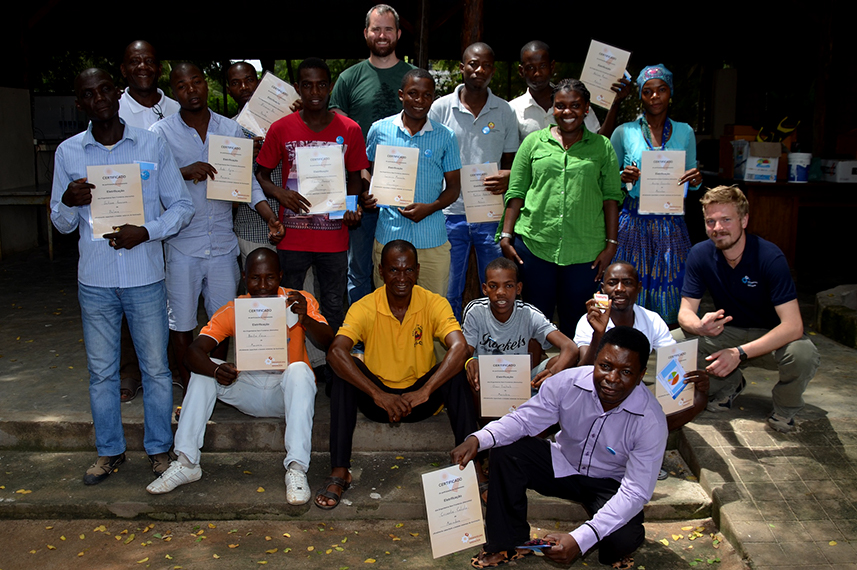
column 421, row 222
column 203, row 257
column 121, row 273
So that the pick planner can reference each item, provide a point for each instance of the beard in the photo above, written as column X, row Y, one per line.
column 725, row 244
column 383, row 51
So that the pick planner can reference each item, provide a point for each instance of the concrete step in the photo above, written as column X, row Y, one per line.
column 228, row 429
column 386, row 486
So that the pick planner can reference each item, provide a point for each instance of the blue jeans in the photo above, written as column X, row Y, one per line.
column 361, row 239
column 564, row 288
column 145, row 308
column 461, row 235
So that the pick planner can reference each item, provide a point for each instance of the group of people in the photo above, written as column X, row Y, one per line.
column 390, row 281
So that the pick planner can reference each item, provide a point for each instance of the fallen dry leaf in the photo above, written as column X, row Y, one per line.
column 146, row 559
column 51, row 547
column 129, row 539
column 664, row 541
column 210, row 525
column 832, row 543
column 82, row 536
column 369, row 561
column 287, row 535
column 267, row 538
column 168, row 557
column 273, row 550
column 310, row 548
column 23, row 491
column 260, row 490
column 233, row 546
column 49, row 528
column 215, row 556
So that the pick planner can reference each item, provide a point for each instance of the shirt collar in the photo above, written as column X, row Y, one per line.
column 546, row 135
column 136, row 107
column 400, row 123
column 213, row 122
column 418, row 301
column 491, row 103
column 635, row 403
column 88, row 139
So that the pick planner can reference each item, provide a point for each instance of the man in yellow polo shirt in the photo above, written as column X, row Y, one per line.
column 399, row 379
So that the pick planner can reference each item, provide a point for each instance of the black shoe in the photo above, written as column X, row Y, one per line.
column 102, row 468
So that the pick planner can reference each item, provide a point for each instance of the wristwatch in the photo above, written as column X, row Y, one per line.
column 742, row 356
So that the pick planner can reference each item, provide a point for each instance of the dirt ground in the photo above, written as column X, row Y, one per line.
column 375, row 545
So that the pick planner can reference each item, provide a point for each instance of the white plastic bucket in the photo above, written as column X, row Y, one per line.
column 799, row 166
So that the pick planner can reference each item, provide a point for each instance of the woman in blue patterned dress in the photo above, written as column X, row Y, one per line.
column 656, row 245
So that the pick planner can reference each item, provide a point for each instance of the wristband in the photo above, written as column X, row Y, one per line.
column 468, row 362
column 507, row 235
column 613, row 241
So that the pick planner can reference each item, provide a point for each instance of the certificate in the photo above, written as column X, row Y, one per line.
column 660, row 193
column 504, row 383
column 604, row 66
column 480, row 205
column 673, row 363
column 117, row 198
column 394, row 176
column 453, row 509
column 232, row 157
column 261, row 333
column 269, row 103
column 321, row 177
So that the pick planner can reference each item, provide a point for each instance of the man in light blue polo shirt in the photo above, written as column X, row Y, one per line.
column 487, row 131
column 421, row 222
column 202, row 258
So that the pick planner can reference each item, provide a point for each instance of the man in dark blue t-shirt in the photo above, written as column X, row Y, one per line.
column 752, row 288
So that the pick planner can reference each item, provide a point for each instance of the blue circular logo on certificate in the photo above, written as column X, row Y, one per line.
column 486, row 130
column 144, row 174
column 340, row 140
column 428, row 152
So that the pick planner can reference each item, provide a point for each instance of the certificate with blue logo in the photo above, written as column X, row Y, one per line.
column 480, row 205
column 261, row 333
column 454, row 510
column 232, row 158
column 673, row 363
column 394, row 176
column 321, row 177
column 117, row 198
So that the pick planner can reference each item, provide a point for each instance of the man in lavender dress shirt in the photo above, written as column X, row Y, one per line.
column 606, row 456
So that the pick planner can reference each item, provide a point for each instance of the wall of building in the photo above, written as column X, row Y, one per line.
column 19, row 225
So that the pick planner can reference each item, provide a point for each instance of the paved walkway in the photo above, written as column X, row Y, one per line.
column 784, row 501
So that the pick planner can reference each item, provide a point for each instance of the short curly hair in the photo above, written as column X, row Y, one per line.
column 726, row 195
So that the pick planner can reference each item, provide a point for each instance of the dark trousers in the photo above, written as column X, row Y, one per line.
column 526, row 464
column 564, row 288
column 330, row 273
column 345, row 399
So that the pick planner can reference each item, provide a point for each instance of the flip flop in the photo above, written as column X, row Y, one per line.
column 626, row 563
column 129, row 388
column 323, row 492
column 508, row 556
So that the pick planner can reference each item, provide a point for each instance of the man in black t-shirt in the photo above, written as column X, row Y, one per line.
column 752, row 288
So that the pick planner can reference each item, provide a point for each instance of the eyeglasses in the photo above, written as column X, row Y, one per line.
column 156, row 109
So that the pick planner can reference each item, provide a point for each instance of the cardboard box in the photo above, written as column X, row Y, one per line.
column 839, row 170
column 756, row 161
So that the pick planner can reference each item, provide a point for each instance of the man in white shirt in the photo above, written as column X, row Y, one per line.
column 621, row 284
column 143, row 104
column 535, row 107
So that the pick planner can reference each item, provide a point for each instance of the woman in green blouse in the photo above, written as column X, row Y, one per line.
column 562, row 209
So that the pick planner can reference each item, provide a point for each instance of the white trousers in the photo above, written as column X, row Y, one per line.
column 289, row 395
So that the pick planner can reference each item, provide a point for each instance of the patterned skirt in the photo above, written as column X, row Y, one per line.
column 657, row 247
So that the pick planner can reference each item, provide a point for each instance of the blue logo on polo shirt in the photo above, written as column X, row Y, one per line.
column 428, row 152
column 340, row 140
column 486, row 130
column 144, row 174
column 746, row 281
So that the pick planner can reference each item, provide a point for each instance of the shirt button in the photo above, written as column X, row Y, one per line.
column 207, row 252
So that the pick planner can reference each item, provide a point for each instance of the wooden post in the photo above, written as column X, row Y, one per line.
column 472, row 29
column 422, row 34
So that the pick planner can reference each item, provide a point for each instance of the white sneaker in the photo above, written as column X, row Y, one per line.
column 297, row 488
column 176, row 474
